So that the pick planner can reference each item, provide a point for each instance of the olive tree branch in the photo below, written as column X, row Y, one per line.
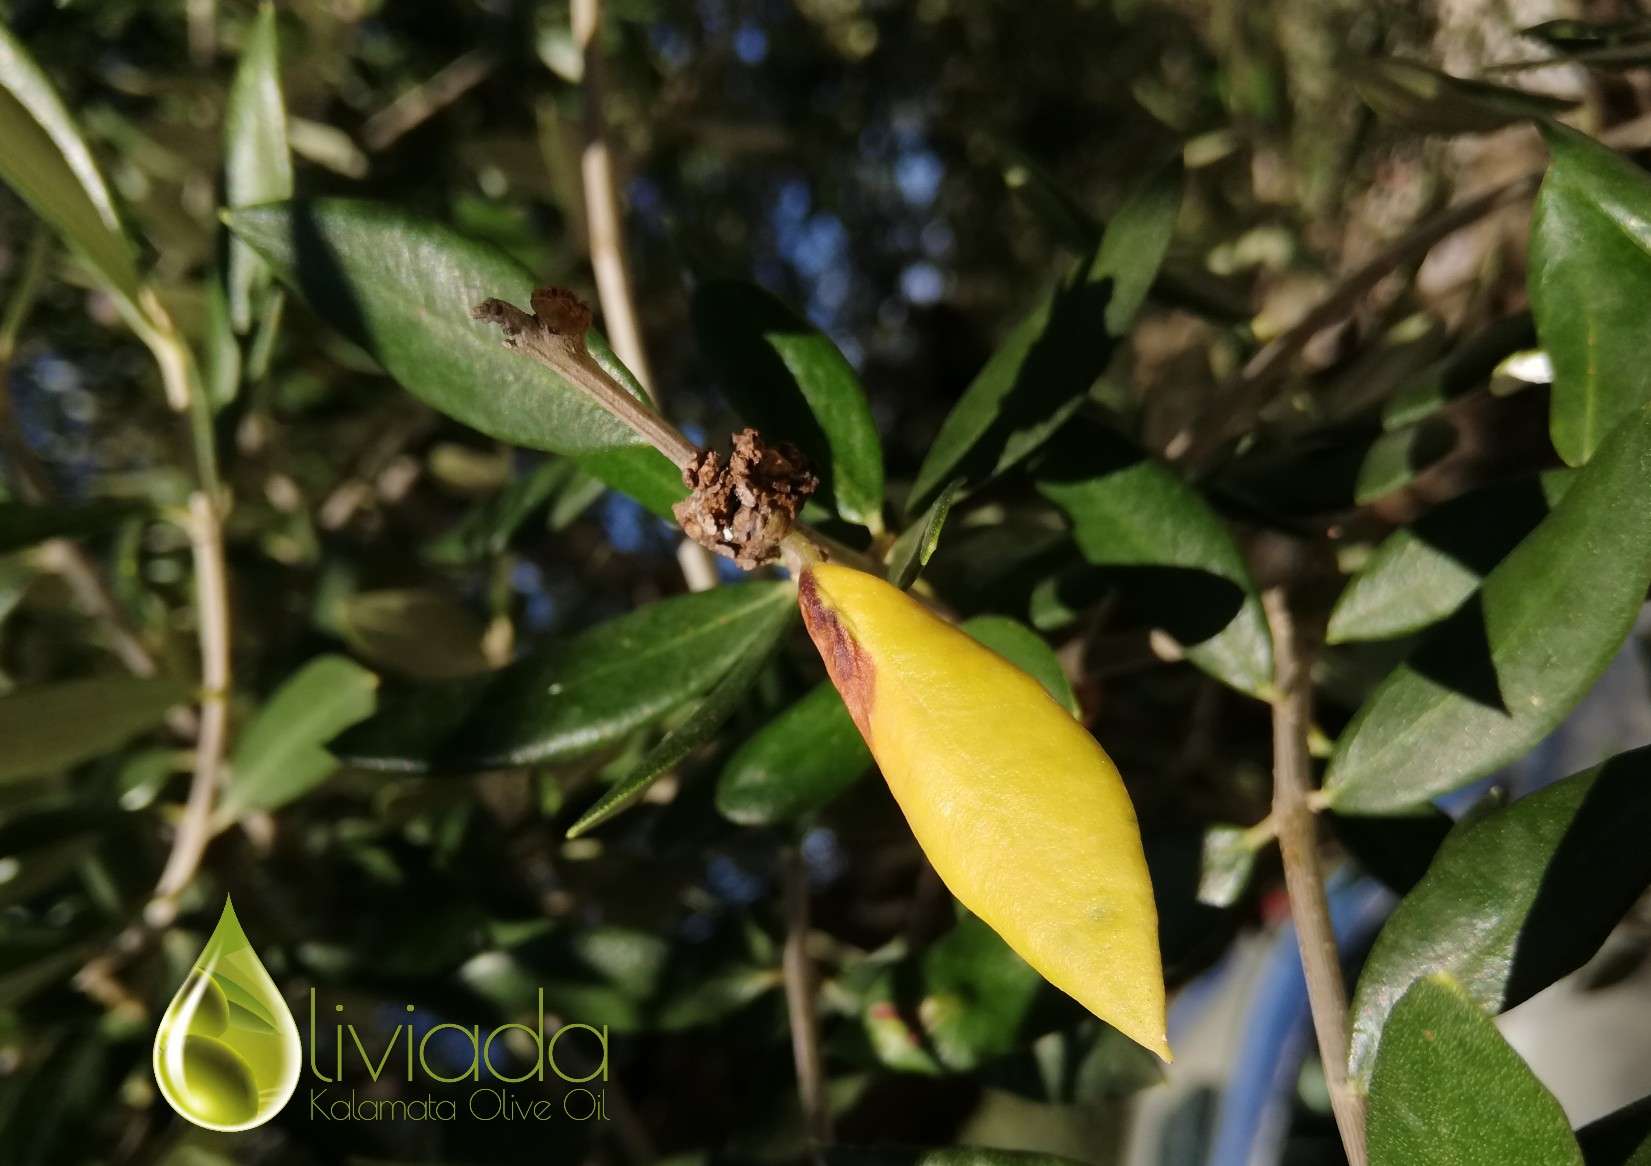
column 186, row 395
column 800, row 1009
column 605, row 225
column 554, row 335
column 605, row 231
column 1297, row 829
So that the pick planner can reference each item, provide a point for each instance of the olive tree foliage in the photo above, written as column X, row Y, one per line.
column 313, row 595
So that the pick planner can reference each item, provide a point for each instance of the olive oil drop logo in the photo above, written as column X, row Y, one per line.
column 226, row 1052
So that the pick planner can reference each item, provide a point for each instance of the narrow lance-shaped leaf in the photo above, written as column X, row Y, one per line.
column 281, row 755
column 1506, row 668
column 1518, row 897
column 45, row 159
column 1396, row 457
column 1435, row 102
column 1448, row 1091
column 789, row 380
column 50, row 727
column 915, row 546
column 1048, row 362
column 1174, row 554
column 402, row 287
column 488, row 529
column 1590, row 272
column 700, row 725
column 811, row 753
column 257, row 164
column 1421, row 573
column 568, row 699
column 416, row 632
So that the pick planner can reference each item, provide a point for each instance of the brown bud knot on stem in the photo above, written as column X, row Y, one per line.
column 744, row 508
column 556, row 313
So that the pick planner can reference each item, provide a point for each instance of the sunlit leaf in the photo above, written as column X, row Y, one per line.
column 915, row 546
column 811, row 753
column 1590, row 265
column 1421, row 573
column 402, row 287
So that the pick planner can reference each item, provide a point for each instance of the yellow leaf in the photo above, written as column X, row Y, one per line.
column 1022, row 814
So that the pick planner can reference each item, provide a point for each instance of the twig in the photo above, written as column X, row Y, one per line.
column 1292, row 817
column 605, row 237
column 554, row 335
column 799, row 1005
column 1252, row 388
column 604, row 222
column 212, row 599
column 416, row 106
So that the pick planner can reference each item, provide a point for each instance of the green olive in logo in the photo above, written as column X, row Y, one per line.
column 226, row 1053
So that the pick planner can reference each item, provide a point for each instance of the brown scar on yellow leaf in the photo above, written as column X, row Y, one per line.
column 850, row 668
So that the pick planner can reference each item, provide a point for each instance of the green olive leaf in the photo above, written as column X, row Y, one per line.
column 914, row 548
column 1516, row 897
column 964, row 1000
column 1436, row 102
column 701, row 724
column 573, row 698
column 257, row 163
column 402, row 287
column 280, row 756
column 1590, row 268
column 795, row 764
column 1138, row 519
column 1509, row 665
column 50, row 727
column 1448, row 1091
column 1421, row 573
column 47, row 162
column 1045, row 367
